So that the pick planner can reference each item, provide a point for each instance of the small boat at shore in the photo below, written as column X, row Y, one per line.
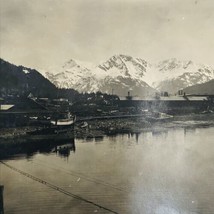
column 158, row 117
column 84, row 125
column 60, row 129
column 64, row 120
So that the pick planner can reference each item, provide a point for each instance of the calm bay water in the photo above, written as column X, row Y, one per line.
column 166, row 172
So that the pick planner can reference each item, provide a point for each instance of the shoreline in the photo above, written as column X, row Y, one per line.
column 12, row 141
column 109, row 126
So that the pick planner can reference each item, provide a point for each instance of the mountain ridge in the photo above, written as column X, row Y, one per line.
column 131, row 74
column 121, row 74
column 19, row 79
column 201, row 89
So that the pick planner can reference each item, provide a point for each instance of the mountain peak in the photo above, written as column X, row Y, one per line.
column 70, row 64
column 123, row 73
column 122, row 56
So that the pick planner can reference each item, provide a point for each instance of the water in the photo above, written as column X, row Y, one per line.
column 166, row 172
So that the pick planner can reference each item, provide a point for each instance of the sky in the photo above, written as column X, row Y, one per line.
column 47, row 33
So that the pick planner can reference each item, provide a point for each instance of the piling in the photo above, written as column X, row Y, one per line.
column 1, row 200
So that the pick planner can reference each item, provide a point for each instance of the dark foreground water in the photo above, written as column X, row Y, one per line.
column 170, row 172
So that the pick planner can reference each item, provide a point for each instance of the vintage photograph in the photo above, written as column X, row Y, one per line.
column 106, row 106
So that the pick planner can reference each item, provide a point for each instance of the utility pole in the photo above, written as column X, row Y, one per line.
column 1, row 200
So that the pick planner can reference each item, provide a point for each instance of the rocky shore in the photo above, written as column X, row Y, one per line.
column 97, row 128
column 100, row 128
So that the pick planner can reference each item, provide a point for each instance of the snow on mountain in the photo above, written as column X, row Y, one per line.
column 69, row 76
column 19, row 80
column 25, row 71
column 122, row 73
column 173, row 75
column 125, row 66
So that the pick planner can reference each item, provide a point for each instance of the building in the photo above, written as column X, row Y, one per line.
column 17, row 111
column 170, row 104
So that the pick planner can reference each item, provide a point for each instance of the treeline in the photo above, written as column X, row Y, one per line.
column 19, row 81
column 94, row 97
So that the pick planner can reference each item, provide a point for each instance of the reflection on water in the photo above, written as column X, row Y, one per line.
column 65, row 150
column 162, row 133
column 155, row 172
column 189, row 130
column 27, row 150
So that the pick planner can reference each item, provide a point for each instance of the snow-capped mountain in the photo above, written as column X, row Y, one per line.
column 122, row 73
column 173, row 75
column 119, row 74
column 69, row 76
column 125, row 66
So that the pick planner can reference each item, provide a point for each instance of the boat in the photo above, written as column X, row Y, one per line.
column 207, row 112
column 60, row 128
column 56, row 131
column 158, row 117
column 84, row 125
column 63, row 120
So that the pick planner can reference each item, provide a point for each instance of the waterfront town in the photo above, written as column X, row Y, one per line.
column 30, row 112
column 106, row 107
